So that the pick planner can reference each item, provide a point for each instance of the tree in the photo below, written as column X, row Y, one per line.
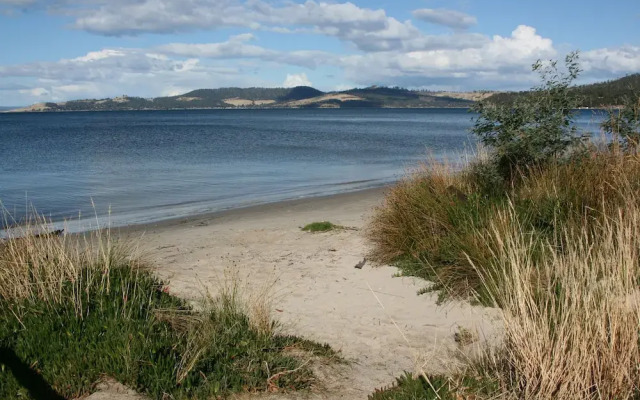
column 536, row 127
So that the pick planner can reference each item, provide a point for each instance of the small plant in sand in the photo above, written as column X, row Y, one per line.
column 322, row 226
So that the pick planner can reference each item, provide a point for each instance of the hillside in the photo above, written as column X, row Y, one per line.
column 595, row 95
column 297, row 97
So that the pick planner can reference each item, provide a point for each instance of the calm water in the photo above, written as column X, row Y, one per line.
column 147, row 166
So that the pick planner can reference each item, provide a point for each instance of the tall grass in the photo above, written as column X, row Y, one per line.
column 428, row 223
column 571, row 317
column 74, row 308
column 556, row 249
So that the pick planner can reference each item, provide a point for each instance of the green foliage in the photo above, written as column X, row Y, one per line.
column 410, row 387
column 140, row 335
column 323, row 226
column 624, row 123
column 537, row 127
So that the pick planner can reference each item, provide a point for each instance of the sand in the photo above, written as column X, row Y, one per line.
column 376, row 320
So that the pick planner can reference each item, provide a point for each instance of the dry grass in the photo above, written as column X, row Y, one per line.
column 428, row 223
column 571, row 319
column 37, row 264
column 558, row 252
column 414, row 214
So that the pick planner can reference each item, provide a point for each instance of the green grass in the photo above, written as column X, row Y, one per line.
column 124, row 324
column 410, row 387
column 323, row 226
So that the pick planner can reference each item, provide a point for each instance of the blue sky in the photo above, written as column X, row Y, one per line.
column 58, row 50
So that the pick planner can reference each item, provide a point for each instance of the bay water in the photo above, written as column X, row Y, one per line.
column 144, row 166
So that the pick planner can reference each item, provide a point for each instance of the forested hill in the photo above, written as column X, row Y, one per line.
column 297, row 97
column 595, row 95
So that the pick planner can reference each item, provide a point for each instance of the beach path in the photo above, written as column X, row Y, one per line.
column 377, row 321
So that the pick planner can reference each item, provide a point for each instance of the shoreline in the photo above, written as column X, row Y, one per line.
column 222, row 216
column 232, row 108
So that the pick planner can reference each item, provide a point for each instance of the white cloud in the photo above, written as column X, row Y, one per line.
column 237, row 48
column 99, row 55
column 499, row 58
column 622, row 60
column 35, row 92
column 441, row 16
column 365, row 28
column 383, row 51
column 136, row 72
column 293, row 80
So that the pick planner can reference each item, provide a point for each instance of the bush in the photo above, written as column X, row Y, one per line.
column 535, row 128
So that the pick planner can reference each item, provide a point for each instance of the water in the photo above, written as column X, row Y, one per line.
column 150, row 165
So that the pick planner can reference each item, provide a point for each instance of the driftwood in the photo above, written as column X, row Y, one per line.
column 57, row 232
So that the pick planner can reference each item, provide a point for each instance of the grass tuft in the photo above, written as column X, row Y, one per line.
column 323, row 226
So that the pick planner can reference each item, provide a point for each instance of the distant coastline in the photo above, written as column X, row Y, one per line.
column 593, row 96
column 301, row 97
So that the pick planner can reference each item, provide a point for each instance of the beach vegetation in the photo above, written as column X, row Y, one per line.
column 552, row 240
column 536, row 128
column 75, row 309
column 322, row 226
column 623, row 123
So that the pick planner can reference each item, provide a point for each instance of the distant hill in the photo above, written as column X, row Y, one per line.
column 595, row 95
column 297, row 97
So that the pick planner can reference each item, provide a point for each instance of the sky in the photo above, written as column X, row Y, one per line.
column 59, row 50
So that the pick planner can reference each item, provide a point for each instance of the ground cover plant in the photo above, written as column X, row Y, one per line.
column 74, row 309
column 322, row 226
column 553, row 242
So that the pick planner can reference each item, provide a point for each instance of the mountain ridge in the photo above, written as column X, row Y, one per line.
column 255, row 97
column 594, row 95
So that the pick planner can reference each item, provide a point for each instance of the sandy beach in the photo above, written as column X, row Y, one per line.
column 377, row 321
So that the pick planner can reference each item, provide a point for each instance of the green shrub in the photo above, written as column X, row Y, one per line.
column 535, row 128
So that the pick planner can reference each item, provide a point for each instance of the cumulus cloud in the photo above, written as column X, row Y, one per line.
column 497, row 59
column 615, row 60
column 111, row 72
column 237, row 47
column 365, row 28
column 442, row 16
column 293, row 80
